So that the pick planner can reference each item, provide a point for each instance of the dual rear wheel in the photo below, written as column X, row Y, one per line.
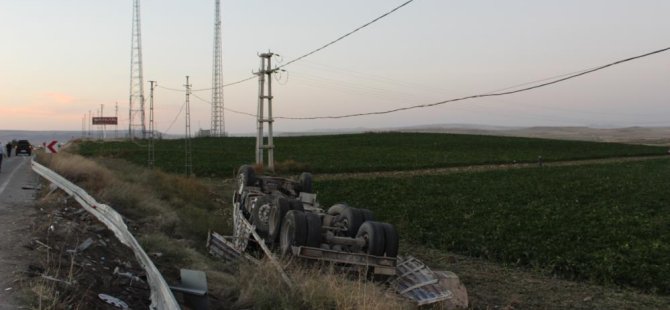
column 304, row 229
column 381, row 239
column 299, row 229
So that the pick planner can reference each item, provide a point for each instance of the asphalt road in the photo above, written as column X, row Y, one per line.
column 16, row 210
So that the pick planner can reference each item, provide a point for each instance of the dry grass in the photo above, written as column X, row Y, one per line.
column 261, row 287
column 51, row 293
column 172, row 214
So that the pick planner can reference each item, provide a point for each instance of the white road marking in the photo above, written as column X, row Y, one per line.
column 9, row 177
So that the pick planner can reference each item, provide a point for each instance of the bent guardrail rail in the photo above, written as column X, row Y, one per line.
column 161, row 295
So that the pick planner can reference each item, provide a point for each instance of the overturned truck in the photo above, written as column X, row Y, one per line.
column 281, row 216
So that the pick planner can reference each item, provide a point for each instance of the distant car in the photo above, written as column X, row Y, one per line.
column 24, row 147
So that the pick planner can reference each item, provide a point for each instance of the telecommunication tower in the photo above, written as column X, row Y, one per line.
column 136, row 127
column 218, row 123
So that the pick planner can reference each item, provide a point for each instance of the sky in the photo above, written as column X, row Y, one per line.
column 61, row 59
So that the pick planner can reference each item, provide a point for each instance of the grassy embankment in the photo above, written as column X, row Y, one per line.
column 171, row 214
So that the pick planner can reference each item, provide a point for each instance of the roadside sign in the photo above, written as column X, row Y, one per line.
column 105, row 120
column 52, row 148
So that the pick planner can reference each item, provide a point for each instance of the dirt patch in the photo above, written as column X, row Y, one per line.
column 494, row 286
column 478, row 168
column 82, row 259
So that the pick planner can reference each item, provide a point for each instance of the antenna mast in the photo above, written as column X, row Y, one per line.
column 136, row 127
column 218, row 123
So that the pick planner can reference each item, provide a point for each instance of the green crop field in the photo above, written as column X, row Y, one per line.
column 608, row 223
column 603, row 222
column 363, row 152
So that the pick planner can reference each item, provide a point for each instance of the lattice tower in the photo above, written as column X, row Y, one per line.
column 136, row 125
column 218, row 123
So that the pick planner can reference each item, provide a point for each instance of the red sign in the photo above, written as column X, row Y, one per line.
column 51, row 147
column 104, row 120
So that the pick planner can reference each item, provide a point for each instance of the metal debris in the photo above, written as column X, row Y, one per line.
column 417, row 282
column 128, row 275
column 113, row 301
column 84, row 245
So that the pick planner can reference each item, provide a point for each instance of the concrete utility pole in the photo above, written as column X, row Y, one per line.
column 263, row 96
column 152, row 153
column 116, row 114
column 187, row 138
column 83, row 126
column 90, row 121
column 104, row 127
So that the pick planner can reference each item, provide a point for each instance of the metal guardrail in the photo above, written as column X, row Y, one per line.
column 161, row 295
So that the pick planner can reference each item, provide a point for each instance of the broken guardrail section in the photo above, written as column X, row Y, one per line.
column 161, row 295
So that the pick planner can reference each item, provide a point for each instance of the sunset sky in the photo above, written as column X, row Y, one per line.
column 61, row 59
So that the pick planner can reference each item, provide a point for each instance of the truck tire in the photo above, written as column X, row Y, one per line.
column 305, row 181
column 293, row 231
column 296, row 204
column 367, row 215
column 352, row 219
column 246, row 176
column 337, row 208
column 391, row 240
column 277, row 213
column 314, row 235
column 373, row 233
column 260, row 214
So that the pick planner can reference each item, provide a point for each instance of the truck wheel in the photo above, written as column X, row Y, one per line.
column 277, row 213
column 373, row 233
column 296, row 204
column 293, row 231
column 367, row 215
column 305, row 181
column 313, row 230
column 351, row 218
column 337, row 208
column 392, row 240
column 246, row 176
column 260, row 214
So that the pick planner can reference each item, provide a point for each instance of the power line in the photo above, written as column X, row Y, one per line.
column 313, row 51
column 489, row 94
column 227, row 109
column 176, row 117
column 210, row 88
column 168, row 88
column 346, row 35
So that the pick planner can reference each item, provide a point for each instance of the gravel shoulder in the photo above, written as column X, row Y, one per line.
column 17, row 182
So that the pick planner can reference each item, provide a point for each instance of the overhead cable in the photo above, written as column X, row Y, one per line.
column 313, row 51
column 176, row 117
column 227, row 109
column 346, row 35
column 489, row 94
